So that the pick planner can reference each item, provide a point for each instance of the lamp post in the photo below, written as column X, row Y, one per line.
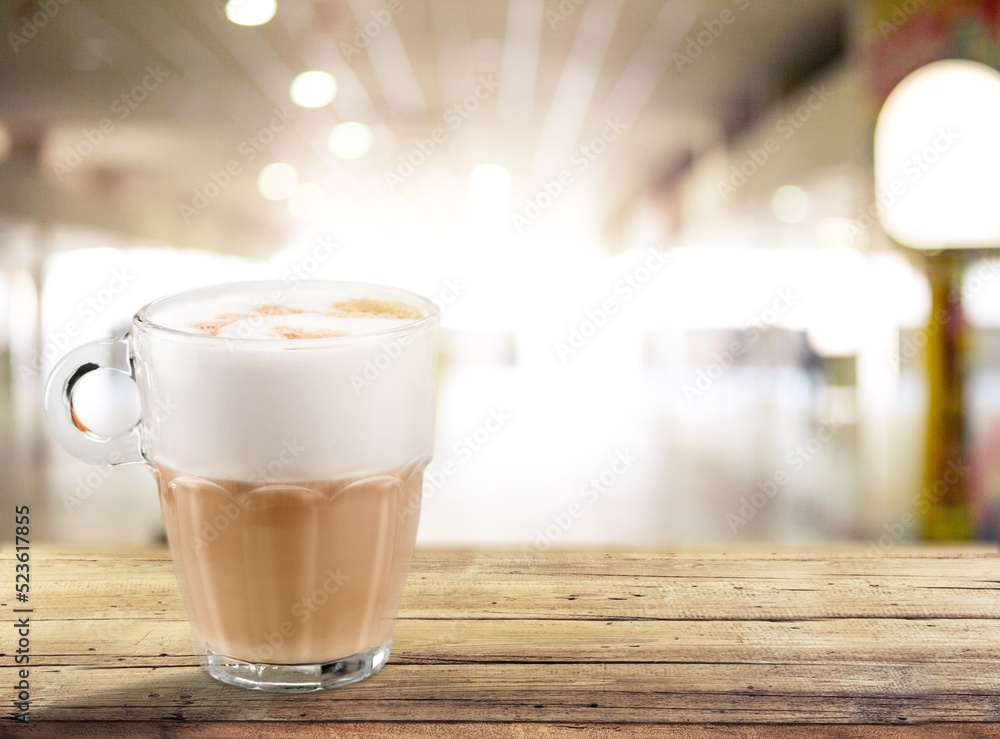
column 937, row 178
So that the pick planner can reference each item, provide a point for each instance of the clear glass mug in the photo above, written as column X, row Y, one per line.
column 289, row 461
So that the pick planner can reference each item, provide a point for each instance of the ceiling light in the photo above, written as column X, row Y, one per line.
column 277, row 181
column 307, row 201
column 936, row 158
column 489, row 183
column 313, row 89
column 250, row 12
column 351, row 140
column 790, row 204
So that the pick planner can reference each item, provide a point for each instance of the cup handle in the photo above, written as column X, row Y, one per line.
column 72, row 435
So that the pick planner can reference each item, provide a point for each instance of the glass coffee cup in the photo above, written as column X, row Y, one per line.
column 288, row 428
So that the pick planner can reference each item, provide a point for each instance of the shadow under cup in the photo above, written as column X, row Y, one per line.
column 289, row 469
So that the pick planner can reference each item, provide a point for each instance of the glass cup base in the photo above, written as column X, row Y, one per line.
column 295, row 678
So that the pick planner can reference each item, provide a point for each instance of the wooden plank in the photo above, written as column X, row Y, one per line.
column 311, row 730
column 152, row 643
column 475, row 586
column 587, row 693
column 563, row 641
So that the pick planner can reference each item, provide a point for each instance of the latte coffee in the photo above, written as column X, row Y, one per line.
column 288, row 425
column 292, row 573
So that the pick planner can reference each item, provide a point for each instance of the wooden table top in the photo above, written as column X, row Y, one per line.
column 499, row 644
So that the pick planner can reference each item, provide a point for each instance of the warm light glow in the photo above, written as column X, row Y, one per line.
column 835, row 326
column 489, row 183
column 790, row 204
column 842, row 233
column 250, row 12
column 277, row 181
column 24, row 305
column 937, row 153
column 351, row 140
column 313, row 89
column 307, row 202
column 5, row 143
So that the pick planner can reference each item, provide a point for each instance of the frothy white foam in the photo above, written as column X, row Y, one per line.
column 288, row 411
column 304, row 314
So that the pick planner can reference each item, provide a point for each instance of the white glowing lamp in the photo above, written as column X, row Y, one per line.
column 250, row 12
column 937, row 155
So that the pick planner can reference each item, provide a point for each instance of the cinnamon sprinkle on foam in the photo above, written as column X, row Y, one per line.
column 270, row 309
column 296, row 332
column 354, row 308
column 370, row 308
column 212, row 328
column 209, row 328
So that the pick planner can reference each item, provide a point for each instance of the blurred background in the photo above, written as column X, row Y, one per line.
column 672, row 312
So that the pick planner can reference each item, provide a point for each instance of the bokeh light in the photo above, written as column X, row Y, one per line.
column 790, row 204
column 277, row 181
column 351, row 140
column 251, row 12
column 313, row 89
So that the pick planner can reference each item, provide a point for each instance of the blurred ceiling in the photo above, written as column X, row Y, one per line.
column 119, row 112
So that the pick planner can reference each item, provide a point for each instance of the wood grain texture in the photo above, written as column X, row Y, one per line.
column 558, row 644
column 346, row 730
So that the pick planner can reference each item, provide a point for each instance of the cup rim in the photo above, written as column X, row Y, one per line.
column 142, row 321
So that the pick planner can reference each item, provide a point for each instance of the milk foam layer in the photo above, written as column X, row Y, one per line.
column 246, row 409
column 304, row 314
